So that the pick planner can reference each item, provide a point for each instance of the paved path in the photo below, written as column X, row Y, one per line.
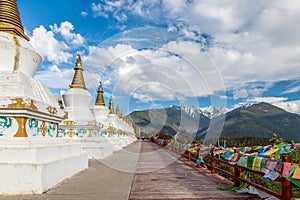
column 99, row 182
column 158, row 175
column 174, row 179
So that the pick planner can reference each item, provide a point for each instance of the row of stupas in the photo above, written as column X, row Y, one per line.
column 40, row 143
column 85, row 121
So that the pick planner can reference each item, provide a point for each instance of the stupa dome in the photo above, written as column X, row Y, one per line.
column 15, row 47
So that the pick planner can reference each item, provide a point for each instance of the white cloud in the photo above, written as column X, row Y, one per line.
column 281, row 102
column 176, row 6
column 55, row 77
column 84, row 14
column 66, row 30
column 290, row 106
column 252, row 40
column 57, row 45
column 48, row 46
column 292, row 90
column 270, row 100
column 148, row 74
column 108, row 8
column 98, row 58
column 98, row 10
column 243, row 93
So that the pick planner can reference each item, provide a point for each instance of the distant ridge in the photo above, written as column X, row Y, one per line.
column 257, row 120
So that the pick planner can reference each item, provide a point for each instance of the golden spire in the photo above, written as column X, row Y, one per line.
column 10, row 20
column 100, row 99
column 78, row 80
column 111, row 106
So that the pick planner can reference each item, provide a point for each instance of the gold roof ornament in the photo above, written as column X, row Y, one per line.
column 100, row 98
column 111, row 106
column 78, row 80
column 10, row 20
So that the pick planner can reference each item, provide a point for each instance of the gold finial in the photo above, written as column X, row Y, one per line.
column 111, row 106
column 100, row 99
column 78, row 80
column 10, row 20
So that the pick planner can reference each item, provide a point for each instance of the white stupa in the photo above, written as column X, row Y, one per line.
column 122, row 134
column 77, row 100
column 101, row 113
column 80, row 123
column 32, row 158
column 117, row 131
column 27, row 107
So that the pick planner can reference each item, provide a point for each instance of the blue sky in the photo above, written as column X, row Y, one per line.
column 151, row 54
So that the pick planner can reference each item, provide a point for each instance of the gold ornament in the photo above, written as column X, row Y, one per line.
column 44, row 129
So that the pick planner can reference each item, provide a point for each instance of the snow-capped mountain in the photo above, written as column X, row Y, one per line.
column 209, row 111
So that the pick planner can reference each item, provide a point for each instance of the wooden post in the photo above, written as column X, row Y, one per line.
column 237, row 173
column 198, row 155
column 286, row 187
column 212, row 161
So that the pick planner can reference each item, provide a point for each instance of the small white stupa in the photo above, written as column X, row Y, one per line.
column 117, row 131
column 101, row 113
column 77, row 100
column 32, row 158
column 80, row 123
column 121, row 134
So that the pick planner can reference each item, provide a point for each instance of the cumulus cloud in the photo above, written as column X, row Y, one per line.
column 58, row 44
column 48, row 46
column 66, row 30
column 281, row 102
column 231, row 45
column 156, row 74
column 250, row 40
column 290, row 106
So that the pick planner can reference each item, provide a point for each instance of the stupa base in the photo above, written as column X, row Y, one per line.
column 32, row 166
column 97, row 148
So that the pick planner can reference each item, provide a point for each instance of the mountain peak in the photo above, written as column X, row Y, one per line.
column 209, row 111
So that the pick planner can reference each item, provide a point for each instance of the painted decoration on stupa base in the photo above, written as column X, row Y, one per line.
column 24, row 127
column 78, row 132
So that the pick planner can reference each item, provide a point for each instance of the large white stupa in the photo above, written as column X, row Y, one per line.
column 27, row 107
column 32, row 158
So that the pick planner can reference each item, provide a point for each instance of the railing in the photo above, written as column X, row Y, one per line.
column 286, row 186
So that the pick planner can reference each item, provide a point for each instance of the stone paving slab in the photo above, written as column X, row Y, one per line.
column 107, row 179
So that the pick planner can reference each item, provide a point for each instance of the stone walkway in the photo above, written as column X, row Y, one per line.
column 101, row 181
column 140, row 171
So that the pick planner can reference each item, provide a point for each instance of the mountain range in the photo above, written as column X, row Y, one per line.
column 256, row 120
